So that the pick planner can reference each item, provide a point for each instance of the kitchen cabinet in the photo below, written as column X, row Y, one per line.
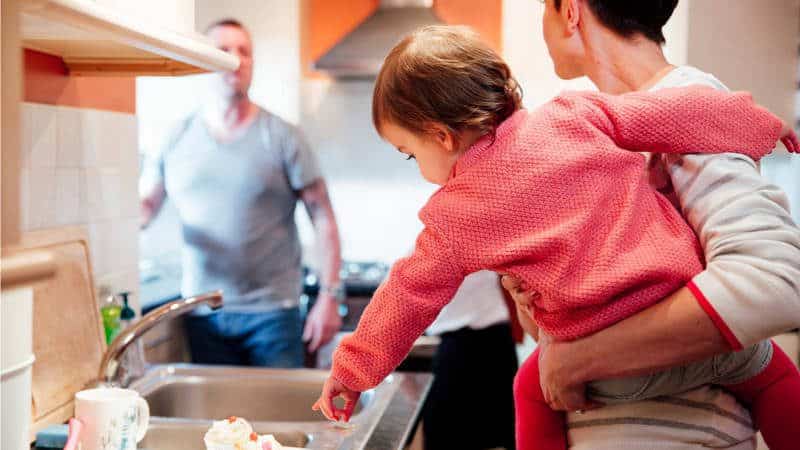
column 94, row 38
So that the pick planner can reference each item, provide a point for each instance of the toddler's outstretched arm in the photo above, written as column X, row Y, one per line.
column 692, row 119
column 403, row 307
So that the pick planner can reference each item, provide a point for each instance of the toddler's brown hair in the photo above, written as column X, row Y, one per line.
column 447, row 75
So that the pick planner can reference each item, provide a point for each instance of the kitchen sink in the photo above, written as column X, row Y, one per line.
column 189, row 436
column 283, row 396
column 184, row 399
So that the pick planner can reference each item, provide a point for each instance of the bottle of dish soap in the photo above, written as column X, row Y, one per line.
column 110, row 312
column 126, row 314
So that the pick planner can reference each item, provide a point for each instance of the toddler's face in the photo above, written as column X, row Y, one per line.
column 435, row 153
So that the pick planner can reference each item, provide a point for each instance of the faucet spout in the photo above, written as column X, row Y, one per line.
column 113, row 356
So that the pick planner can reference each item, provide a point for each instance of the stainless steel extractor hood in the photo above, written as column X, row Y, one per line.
column 360, row 53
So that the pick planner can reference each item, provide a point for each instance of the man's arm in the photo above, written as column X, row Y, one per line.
column 150, row 203
column 323, row 319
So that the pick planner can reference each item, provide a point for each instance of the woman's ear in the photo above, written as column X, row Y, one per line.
column 571, row 10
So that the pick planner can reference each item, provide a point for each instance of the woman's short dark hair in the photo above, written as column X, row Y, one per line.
column 630, row 17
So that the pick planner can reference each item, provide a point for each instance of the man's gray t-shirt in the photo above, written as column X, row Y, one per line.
column 236, row 202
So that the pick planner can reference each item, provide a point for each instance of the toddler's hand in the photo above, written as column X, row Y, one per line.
column 789, row 139
column 330, row 390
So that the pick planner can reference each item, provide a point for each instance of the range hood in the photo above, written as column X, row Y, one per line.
column 360, row 53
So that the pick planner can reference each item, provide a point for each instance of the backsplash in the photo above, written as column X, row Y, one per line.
column 80, row 169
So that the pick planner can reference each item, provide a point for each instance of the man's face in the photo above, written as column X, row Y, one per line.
column 235, row 41
column 563, row 41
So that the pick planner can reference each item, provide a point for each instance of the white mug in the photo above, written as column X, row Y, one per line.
column 112, row 418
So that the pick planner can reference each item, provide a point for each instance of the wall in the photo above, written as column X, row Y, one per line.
column 764, row 38
column 79, row 169
column 79, row 164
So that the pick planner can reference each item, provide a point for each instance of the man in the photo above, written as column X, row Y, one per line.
column 235, row 172
column 749, row 290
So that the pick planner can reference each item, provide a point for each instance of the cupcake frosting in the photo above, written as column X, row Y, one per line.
column 231, row 431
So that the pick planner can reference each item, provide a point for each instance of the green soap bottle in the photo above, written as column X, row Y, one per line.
column 111, row 312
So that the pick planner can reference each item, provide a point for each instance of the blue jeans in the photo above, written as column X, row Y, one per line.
column 268, row 339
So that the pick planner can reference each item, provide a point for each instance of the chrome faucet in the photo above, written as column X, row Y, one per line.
column 113, row 356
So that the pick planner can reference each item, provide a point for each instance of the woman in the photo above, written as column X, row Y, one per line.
column 742, row 222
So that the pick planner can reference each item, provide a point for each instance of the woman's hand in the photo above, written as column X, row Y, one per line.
column 330, row 390
column 789, row 139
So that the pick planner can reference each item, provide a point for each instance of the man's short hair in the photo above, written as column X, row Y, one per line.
column 226, row 22
column 630, row 17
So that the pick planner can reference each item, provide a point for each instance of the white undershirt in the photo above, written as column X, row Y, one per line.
column 478, row 304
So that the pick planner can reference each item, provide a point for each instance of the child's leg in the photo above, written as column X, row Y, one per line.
column 774, row 400
column 538, row 426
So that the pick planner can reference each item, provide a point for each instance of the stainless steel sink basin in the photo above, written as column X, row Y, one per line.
column 283, row 396
column 189, row 436
column 185, row 398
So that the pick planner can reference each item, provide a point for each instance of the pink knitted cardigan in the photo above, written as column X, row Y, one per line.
column 560, row 199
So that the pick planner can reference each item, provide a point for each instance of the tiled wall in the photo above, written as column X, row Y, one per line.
column 80, row 169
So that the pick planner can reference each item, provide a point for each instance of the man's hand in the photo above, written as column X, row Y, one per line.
column 561, row 392
column 323, row 322
column 330, row 390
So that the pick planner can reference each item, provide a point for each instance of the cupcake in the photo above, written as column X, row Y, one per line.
column 234, row 433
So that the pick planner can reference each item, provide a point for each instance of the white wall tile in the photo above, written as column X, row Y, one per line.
column 110, row 139
column 101, row 241
column 125, row 249
column 128, row 148
column 93, row 191
column 24, row 199
column 68, row 204
column 40, row 207
column 111, row 186
column 103, row 193
column 74, row 143
column 39, row 132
